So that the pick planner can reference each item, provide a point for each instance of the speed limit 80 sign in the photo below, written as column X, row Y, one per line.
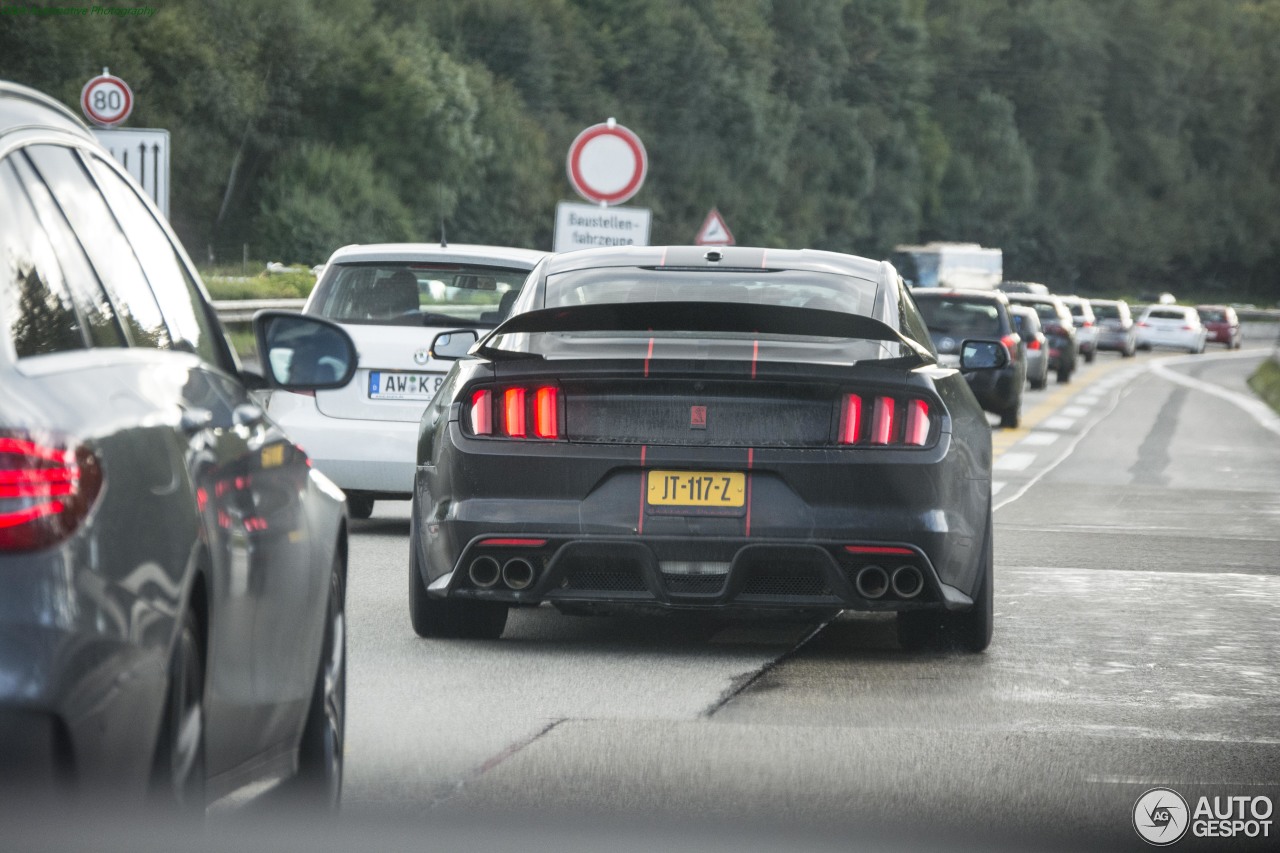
column 106, row 100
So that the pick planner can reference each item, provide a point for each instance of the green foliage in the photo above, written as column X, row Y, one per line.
column 1106, row 145
column 288, row 285
column 1265, row 382
column 320, row 198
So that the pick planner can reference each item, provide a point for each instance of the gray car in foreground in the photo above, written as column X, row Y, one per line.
column 171, row 567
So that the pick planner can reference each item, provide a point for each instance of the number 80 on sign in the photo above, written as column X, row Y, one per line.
column 106, row 100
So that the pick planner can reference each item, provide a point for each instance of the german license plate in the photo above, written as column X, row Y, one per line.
column 724, row 491
column 399, row 385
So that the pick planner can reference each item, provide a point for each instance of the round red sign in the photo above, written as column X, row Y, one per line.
column 106, row 100
column 607, row 163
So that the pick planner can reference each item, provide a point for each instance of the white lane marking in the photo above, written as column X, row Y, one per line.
column 1181, row 783
column 1089, row 400
column 1075, row 441
column 1252, row 406
column 1039, row 439
column 1058, row 422
column 996, row 486
column 1075, row 411
column 1013, row 462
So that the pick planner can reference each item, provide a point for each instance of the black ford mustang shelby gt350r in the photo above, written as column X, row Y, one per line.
column 720, row 430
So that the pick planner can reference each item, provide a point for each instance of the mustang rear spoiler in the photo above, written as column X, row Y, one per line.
column 704, row 317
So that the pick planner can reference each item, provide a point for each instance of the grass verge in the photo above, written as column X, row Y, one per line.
column 1265, row 382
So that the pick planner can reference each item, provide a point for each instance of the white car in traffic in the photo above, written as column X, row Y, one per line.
column 393, row 299
column 1171, row 326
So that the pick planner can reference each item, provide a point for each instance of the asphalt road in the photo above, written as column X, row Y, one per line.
column 1137, row 616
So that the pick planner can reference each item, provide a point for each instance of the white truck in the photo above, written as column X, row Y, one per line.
column 960, row 265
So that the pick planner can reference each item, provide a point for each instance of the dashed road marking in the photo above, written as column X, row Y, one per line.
column 1013, row 462
column 1040, row 439
column 1058, row 422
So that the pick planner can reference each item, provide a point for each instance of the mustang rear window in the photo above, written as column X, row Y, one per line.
column 827, row 291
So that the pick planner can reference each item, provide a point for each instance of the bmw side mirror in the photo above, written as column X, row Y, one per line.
column 302, row 353
column 451, row 346
column 983, row 355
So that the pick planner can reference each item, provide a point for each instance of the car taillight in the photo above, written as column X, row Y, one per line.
column 892, row 422
column 1186, row 328
column 1033, row 344
column 47, row 488
column 482, row 412
column 516, row 409
column 1144, row 324
column 1011, row 344
column 1087, row 323
column 546, row 413
column 513, row 412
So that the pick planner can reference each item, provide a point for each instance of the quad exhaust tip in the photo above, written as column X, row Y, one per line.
column 872, row 582
column 484, row 572
column 908, row 582
column 517, row 573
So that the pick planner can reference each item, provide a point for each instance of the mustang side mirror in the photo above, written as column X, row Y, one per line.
column 451, row 346
column 302, row 353
column 983, row 355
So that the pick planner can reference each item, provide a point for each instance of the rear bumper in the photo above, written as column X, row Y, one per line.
column 730, row 574
column 587, row 504
column 82, row 676
column 358, row 455
column 1115, row 340
column 1176, row 339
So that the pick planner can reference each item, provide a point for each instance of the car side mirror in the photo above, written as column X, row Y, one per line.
column 303, row 353
column 451, row 346
column 983, row 355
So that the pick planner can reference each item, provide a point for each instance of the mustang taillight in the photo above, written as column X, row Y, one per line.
column 513, row 412
column 510, row 412
column 47, row 488
column 893, row 421
column 546, row 413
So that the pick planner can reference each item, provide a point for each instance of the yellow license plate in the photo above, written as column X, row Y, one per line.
column 716, row 489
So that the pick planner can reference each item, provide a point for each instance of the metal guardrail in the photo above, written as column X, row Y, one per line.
column 242, row 310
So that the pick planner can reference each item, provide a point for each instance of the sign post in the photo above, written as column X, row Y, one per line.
column 106, row 100
column 606, row 165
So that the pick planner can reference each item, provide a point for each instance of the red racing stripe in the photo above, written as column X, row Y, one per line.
column 644, row 448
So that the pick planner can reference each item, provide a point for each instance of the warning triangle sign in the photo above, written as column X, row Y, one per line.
column 713, row 231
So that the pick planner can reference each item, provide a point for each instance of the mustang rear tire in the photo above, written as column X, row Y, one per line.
column 441, row 617
column 968, row 630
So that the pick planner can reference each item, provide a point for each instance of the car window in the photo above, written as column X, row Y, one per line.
column 795, row 288
column 106, row 246
column 913, row 324
column 1105, row 311
column 1213, row 315
column 1167, row 314
column 35, row 306
column 959, row 317
column 180, row 300
column 416, row 294
column 91, row 301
